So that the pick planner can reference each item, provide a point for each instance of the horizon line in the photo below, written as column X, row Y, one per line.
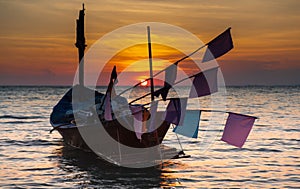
column 249, row 85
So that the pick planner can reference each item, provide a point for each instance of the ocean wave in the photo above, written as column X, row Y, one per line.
column 20, row 117
column 19, row 122
column 248, row 149
column 38, row 142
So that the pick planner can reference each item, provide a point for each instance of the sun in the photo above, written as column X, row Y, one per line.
column 144, row 83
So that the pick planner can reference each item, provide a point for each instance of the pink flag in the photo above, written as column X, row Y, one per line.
column 153, row 110
column 205, row 83
column 107, row 112
column 218, row 46
column 137, row 112
column 237, row 129
column 176, row 111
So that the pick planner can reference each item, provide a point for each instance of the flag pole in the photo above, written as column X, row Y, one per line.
column 189, row 77
column 150, row 63
column 201, row 47
column 80, row 44
column 152, row 85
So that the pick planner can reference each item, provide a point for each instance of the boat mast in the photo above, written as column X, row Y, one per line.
column 152, row 85
column 80, row 44
column 150, row 63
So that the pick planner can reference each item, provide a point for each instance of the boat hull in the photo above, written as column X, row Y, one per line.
column 73, row 137
column 134, row 152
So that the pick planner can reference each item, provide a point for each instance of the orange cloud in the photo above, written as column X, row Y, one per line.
column 39, row 35
column 134, row 61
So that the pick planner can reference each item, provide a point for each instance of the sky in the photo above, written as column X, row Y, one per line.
column 38, row 36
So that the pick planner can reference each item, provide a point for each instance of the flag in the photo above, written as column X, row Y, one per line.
column 218, row 46
column 190, row 124
column 170, row 77
column 153, row 110
column 163, row 91
column 205, row 83
column 113, row 75
column 107, row 112
column 237, row 129
column 113, row 79
column 110, row 92
column 137, row 112
column 176, row 111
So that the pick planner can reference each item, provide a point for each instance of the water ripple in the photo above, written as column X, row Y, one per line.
column 20, row 117
column 32, row 158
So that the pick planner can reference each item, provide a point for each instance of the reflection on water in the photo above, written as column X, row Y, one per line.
column 30, row 157
column 86, row 169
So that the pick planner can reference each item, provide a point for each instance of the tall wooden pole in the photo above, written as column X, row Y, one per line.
column 150, row 63
column 152, row 86
column 80, row 44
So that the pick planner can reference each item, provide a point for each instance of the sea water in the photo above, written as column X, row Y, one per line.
column 31, row 157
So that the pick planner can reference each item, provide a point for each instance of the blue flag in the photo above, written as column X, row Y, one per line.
column 190, row 124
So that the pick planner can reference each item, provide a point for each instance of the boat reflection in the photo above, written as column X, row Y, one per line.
column 86, row 169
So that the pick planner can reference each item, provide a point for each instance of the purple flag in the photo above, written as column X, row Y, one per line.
column 170, row 75
column 205, row 83
column 176, row 111
column 218, row 46
column 107, row 112
column 237, row 129
column 137, row 112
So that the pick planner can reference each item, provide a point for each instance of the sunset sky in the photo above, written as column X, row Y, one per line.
column 38, row 36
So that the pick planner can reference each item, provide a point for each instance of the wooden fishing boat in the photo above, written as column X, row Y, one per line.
column 63, row 120
column 83, row 124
